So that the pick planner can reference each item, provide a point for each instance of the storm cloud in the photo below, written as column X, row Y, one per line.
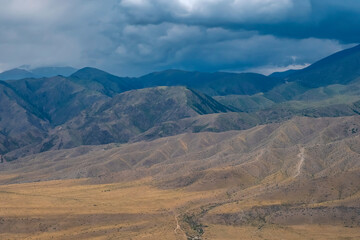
column 134, row 37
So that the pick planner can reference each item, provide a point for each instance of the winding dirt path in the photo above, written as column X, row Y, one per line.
column 301, row 155
column 178, row 229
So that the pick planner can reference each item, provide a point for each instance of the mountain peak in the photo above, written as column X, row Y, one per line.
column 98, row 80
column 87, row 71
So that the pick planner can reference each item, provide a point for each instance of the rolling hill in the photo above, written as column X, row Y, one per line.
column 302, row 172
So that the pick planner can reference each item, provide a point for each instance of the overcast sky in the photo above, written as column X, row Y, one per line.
column 134, row 37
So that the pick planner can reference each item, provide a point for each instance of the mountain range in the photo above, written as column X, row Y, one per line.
column 260, row 150
column 94, row 107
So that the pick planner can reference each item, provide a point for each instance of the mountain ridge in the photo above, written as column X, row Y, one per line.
column 40, row 72
column 339, row 68
column 95, row 107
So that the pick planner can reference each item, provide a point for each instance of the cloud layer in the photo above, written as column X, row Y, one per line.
column 133, row 37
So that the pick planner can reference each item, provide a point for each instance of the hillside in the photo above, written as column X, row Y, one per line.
column 76, row 115
column 282, row 143
column 296, row 173
column 131, row 113
column 20, row 122
column 57, row 98
column 334, row 77
column 339, row 68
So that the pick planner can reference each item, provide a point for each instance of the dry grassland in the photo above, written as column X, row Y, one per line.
column 72, row 209
column 75, row 209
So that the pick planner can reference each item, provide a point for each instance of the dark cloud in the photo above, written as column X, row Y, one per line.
column 133, row 37
column 328, row 19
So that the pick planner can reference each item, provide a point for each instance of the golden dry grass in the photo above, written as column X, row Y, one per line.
column 72, row 209
column 75, row 209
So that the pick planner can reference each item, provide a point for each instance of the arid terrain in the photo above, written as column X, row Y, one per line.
column 75, row 209
column 268, row 182
column 183, row 155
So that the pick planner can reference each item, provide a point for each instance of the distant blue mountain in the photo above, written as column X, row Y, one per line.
column 15, row 74
column 19, row 73
column 213, row 84
column 282, row 75
column 53, row 71
column 340, row 68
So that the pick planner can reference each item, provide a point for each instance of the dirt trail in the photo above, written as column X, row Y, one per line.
column 301, row 155
column 178, row 229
